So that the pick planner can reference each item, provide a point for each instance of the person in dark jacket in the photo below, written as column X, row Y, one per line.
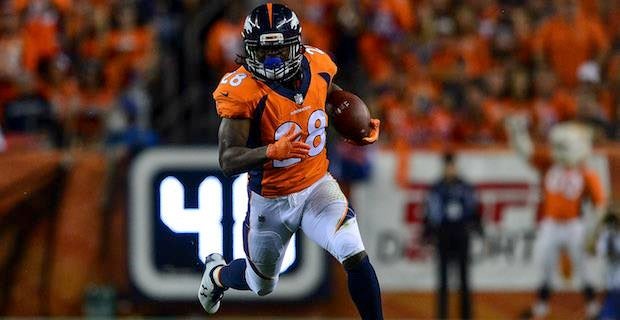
column 451, row 214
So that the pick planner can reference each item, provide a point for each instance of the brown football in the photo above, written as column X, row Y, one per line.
column 349, row 115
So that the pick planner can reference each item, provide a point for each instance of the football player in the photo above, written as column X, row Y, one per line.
column 274, row 126
column 567, row 182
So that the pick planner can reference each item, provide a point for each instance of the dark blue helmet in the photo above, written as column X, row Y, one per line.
column 272, row 39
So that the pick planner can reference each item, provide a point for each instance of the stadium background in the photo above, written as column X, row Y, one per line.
column 86, row 87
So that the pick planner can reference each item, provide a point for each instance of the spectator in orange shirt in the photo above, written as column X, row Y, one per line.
column 504, row 43
column 520, row 92
column 496, row 107
column 613, row 23
column 473, row 127
column 131, row 49
column 388, row 22
column 446, row 64
column 567, row 40
column 41, row 23
column 58, row 86
column 442, row 122
column 317, row 23
column 13, row 50
column 590, row 100
column 550, row 105
column 393, row 113
column 474, row 49
column 224, row 42
column 522, row 27
column 90, row 34
column 94, row 102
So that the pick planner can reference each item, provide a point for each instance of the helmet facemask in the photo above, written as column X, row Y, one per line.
column 274, row 58
column 272, row 41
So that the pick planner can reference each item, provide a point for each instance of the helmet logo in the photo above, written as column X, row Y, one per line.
column 294, row 22
column 249, row 24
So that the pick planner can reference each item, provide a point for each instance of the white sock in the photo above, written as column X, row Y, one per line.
column 216, row 276
column 592, row 309
column 540, row 309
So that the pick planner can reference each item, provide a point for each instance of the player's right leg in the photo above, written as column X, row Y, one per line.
column 549, row 237
column 575, row 243
column 329, row 222
column 265, row 238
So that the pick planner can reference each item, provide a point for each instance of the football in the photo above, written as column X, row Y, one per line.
column 349, row 115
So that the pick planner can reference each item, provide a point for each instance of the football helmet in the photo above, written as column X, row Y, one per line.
column 272, row 40
column 571, row 143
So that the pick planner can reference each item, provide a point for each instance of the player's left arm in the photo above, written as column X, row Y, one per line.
column 375, row 124
column 597, row 194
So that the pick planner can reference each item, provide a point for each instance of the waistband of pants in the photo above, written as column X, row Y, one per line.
column 293, row 198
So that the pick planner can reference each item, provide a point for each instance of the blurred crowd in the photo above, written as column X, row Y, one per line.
column 92, row 73
column 440, row 71
column 73, row 74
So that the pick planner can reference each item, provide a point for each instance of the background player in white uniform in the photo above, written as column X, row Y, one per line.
column 567, row 182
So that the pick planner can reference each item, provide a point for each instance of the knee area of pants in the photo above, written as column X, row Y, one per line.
column 266, row 249
column 345, row 244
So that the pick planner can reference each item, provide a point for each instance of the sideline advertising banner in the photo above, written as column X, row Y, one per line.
column 390, row 216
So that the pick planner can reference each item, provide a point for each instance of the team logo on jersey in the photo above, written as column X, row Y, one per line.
column 300, row 110
column 299, row 99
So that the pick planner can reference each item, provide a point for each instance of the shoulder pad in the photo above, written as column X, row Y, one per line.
column 320, row 61
column 236, row 95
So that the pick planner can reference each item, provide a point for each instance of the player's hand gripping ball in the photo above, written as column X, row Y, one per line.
column 351, row 118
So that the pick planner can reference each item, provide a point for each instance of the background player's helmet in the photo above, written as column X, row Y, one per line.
column 571, row 143
column 272, row 39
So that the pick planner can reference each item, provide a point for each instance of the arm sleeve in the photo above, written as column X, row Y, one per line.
column 330, row 66
column 322, row 61
column 228, row 107
column 235, row 96
column 595, row 188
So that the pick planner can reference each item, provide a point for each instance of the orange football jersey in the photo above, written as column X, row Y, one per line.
column 565, row 189
column 273, row 109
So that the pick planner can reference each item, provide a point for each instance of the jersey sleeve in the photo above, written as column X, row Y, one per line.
column 322, row 62
column 234, row 96
column 594, row 187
